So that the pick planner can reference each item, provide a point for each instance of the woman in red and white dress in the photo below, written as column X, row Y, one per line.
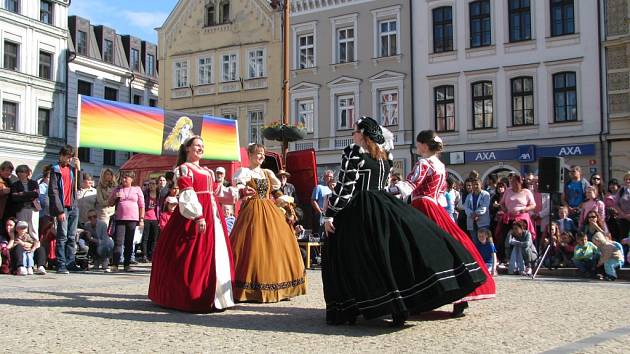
column 428, row 180
column 192, row 262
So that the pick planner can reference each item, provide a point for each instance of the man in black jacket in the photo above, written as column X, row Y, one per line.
column 62, row 194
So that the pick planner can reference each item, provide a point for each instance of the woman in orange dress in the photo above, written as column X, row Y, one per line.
column 267, row 260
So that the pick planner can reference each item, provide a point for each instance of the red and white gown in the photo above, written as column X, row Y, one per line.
column 428, row 180
column 194, row 272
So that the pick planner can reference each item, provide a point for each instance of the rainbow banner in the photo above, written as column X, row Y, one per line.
column 122, row 126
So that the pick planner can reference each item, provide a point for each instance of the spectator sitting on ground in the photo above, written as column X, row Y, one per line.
column 24, row 251
column 593, row 224
column 170, row 203
column 25, row 199
column 101, row 245
column 523, row 253
column 585, row 256
column 7, row 242
column 567, row 246
column 486, row 249
column 554, row 255
column 564, row 222
column 611, row 256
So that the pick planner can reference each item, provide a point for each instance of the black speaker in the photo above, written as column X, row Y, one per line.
column 550, row 175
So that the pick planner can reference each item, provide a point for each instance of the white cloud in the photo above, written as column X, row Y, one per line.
column 145, row 20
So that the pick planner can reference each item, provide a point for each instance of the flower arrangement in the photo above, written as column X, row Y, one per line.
column 281, row 132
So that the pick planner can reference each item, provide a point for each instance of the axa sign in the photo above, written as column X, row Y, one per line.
column 567, row 150
column 491, row 155
column 570, row 151
column 485, row 156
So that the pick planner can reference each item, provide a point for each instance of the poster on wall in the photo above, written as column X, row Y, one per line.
column 127, row 127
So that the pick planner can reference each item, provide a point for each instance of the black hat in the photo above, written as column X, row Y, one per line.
column 370, row 128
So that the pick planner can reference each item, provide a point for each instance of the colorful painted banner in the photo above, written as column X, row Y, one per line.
column 122, row 126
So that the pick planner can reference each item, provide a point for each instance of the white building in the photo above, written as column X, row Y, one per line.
column 33, row 37
column 107, row 65
column 505, row 82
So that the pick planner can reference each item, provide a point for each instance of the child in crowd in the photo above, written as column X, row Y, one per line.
column 564, row 222
column 522, row 253
column 567, row 246
column 585, row 256
column 554, row 255
column 170, row 203
column 23, row 238
column 486, row 248
column 611, row 255
column 228, row 213
column 7, row 240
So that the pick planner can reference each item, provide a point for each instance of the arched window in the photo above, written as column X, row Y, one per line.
column 224, row 14
column 211, row 15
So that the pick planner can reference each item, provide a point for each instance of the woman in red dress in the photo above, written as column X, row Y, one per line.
column 429, row 183
column 192, row 263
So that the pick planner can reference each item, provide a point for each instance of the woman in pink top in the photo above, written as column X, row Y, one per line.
column 592, row 203
column 129, row 202
column 517, row 202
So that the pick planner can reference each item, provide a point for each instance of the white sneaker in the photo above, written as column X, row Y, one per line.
column 29, row 271
column 21, row 271
column 41, row 270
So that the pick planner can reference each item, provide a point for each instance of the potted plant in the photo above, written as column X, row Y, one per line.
column 284, row 132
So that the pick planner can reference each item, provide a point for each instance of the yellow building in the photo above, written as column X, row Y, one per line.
column 223, row 58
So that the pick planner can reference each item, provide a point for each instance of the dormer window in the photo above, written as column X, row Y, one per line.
column 225, row 11
column 217, row 12
column 211, row 14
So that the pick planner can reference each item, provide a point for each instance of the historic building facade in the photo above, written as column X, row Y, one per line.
column 107, row 65
column 505, row 82
column 617, row 58
column 223, row 58
column 350, row 59
column 33, row 38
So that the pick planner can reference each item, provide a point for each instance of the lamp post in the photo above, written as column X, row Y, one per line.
column 286, row 8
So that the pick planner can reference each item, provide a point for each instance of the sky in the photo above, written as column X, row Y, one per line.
column 138, row 18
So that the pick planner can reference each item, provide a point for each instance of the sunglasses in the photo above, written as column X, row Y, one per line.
column 596, row 178
column 592, row 216
column 91, row 216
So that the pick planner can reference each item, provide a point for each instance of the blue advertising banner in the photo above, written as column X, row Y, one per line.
column 491, row 155
column 527, row 153
column 566, row 150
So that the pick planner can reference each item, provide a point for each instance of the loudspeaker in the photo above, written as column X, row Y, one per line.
column 550, row 175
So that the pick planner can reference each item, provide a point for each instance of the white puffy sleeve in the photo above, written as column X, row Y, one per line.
column 189, row 205
column 275, row 182
column 242, row 176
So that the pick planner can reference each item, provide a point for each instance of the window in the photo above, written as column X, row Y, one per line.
column 255, row 127
column 150, row 65
column 520, row 20
column 12, row 5
column 345, row 45
column 109, row 157
column 111, row 94
column 443, row 29
column 211, row 14
column 11, row 55
column 256, row 63
column 81, row 42
column 45, row 65
column 108, row 51
column 46, row 12
column 229, row 67
column 482, row 105
column 205, row 71
column 224, row 15
column 306, row 51
column 388, row 107
column 135, row 60
column 153, row 102
column 43, row 122
column 181, row 74
column 9, row 115
column 345, row 112
column 388, row 33
column 562, row 17
column 230, row 115
column 564, row 97
column 522, row 101
column 137, row 99
column 84, row 88
column 306, row 111
column 444, row 108
column 480, row 26
column 83, row 154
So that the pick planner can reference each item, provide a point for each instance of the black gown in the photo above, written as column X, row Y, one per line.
column 385, row 256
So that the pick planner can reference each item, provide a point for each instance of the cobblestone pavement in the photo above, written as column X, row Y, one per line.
column 96, row 312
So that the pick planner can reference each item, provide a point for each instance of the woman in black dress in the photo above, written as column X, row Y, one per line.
column 382, row 256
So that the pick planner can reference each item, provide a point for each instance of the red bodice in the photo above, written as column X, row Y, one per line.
column 428, row 179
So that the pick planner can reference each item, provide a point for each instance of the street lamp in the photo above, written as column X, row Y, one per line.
column 285, row 6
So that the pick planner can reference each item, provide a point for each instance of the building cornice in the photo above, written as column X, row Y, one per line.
column 33, row 81
column 304, row 7
column 27, row 22
column 94, row 64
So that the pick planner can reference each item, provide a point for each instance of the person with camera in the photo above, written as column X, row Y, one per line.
column 62, row 192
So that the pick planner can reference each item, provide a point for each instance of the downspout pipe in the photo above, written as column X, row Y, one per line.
column 413, row 113
column 132, row 78
column 70, row 56
column 603, row 116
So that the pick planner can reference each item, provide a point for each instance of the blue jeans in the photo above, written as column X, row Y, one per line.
column 66, row 238
column 585, row 266
column 610, row 266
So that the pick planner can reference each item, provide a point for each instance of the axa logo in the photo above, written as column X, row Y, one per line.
column 525, row 156
column 570, row 151
column 485, row 156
